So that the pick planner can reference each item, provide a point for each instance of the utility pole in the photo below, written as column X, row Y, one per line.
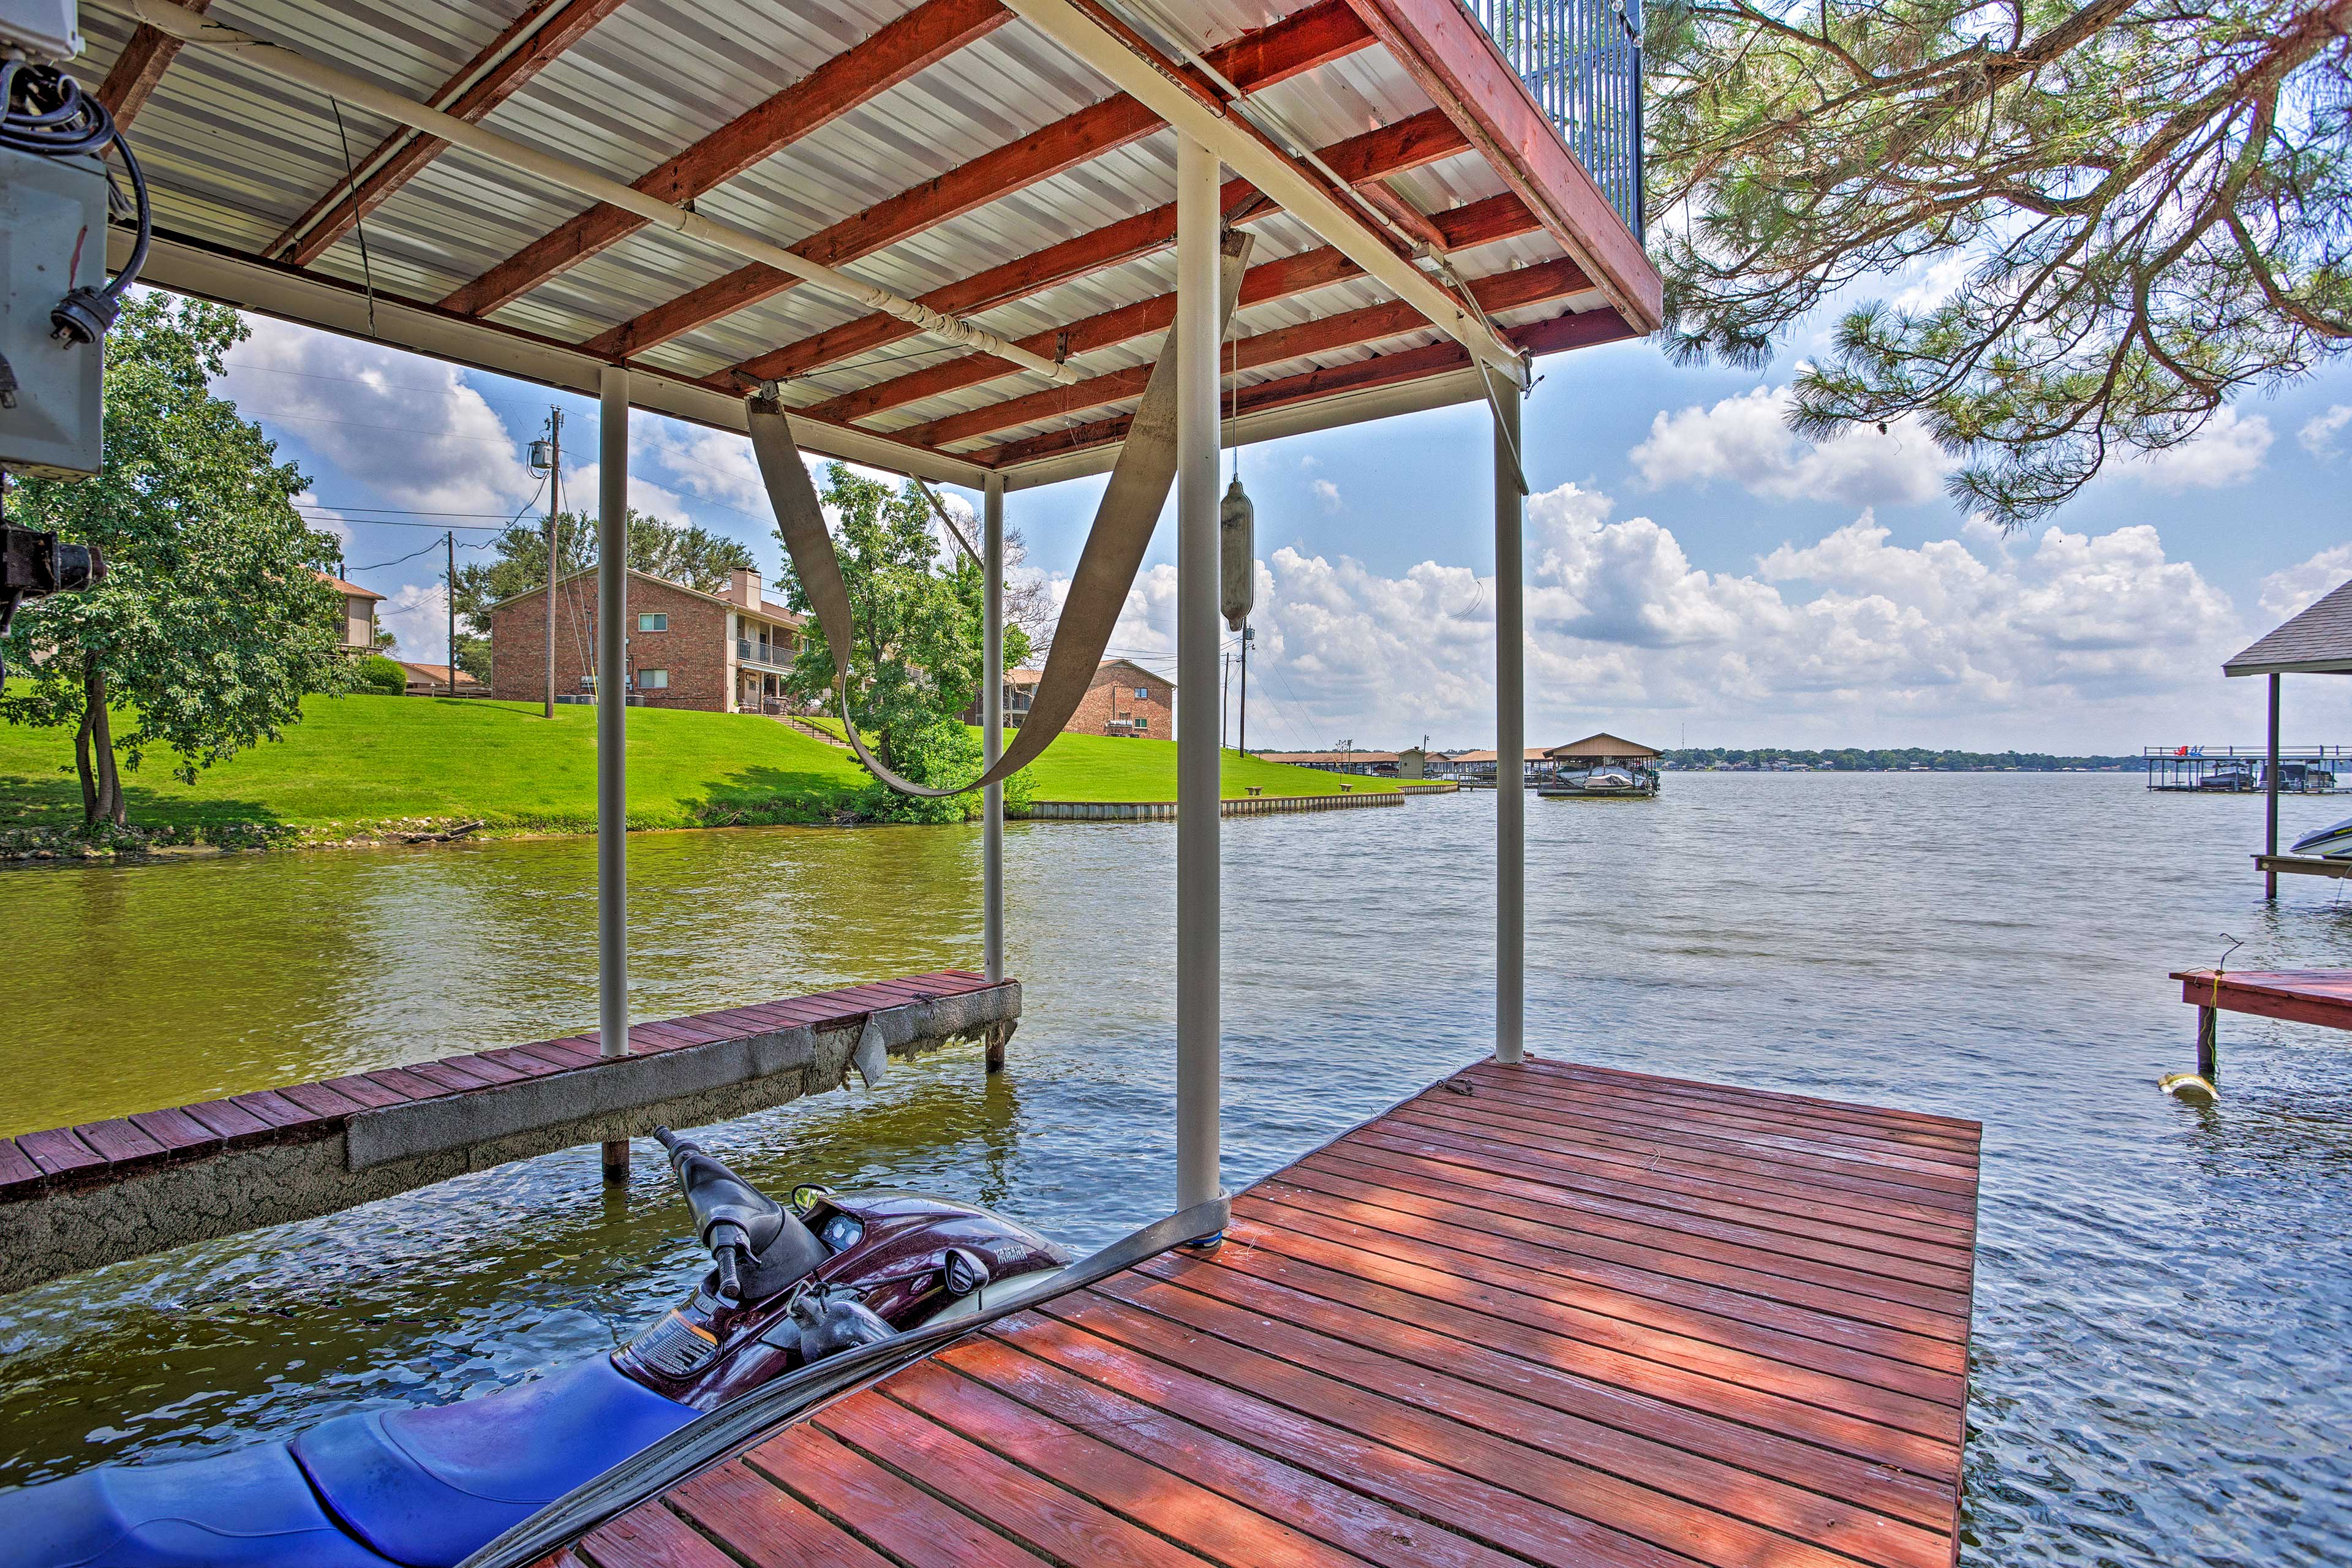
column 451, row 539
column 1249, row 635
column 555, row 500
column 1224, row 696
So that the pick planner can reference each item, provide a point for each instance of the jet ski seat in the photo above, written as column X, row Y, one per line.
column 426, row 1487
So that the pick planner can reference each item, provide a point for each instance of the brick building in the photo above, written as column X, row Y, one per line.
column 718, row 653
column 1124, row 699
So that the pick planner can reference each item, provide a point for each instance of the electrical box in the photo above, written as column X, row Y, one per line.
column 44, row 28
column 52, row 240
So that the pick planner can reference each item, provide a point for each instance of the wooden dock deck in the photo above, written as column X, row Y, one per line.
column 1550, row 1314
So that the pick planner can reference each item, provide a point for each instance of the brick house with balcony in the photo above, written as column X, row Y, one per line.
column 1125, row 698
column 718, row 653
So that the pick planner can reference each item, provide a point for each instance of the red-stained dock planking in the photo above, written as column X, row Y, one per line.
column 2322, row 996
column 1549, row 1314
column 97, row 1151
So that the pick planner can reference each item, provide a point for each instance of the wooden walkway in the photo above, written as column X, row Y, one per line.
column 73, row 1197
column 1549, row 1314
column 2321, row 996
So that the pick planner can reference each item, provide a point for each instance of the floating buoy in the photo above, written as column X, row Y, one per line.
column 2191, row 1086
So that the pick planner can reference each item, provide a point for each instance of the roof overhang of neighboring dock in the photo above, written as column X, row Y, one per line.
column 2316, row 642
column 603, row 180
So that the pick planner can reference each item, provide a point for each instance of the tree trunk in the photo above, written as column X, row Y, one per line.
column 81, row 769
column 102, row 794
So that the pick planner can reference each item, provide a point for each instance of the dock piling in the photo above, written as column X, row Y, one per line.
column 611, row 733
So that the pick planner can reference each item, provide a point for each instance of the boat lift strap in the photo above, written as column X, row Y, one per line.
column 1123, row 524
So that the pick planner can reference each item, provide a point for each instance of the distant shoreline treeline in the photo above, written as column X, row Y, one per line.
column 1901, row 759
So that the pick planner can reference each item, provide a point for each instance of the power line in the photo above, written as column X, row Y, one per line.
column 393, row 561
column 397, row 510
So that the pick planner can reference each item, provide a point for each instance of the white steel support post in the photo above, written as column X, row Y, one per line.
column 991, row 734
column 1510, row 741
column 1197, row 625
column 612, row 732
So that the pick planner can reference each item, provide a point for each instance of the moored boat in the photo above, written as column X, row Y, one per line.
column 1603, row 784
column 2329, row 842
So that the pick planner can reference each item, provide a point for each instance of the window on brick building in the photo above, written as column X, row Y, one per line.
column 653, row 680
column 1143, row 694
column 652, row 621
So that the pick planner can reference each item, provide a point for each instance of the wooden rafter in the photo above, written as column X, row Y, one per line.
column 1503, row 216
column 1443, row 48
column 504, row 67
column 131, row 79
column 1422, row 139
column 1579, row 329
column 1295, row 44
column 922, row 37
column 1511, row 291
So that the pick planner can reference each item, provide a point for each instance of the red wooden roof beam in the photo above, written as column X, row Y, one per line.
column 139, row 67
column 1476, row 223
column 499, row 71
column 922, row 37
column 1412, row 143
column 1577, row 329
column 1295, row 44
column 1500, row 291
column 1443, row 47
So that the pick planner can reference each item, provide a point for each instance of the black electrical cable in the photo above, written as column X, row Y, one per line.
column 45, row 112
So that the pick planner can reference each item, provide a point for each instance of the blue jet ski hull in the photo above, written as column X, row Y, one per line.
column 418, row 1489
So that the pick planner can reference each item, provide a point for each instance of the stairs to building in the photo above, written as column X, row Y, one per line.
column 813, row 732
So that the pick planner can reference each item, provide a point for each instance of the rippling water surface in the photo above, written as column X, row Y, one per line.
column 2163, row 1368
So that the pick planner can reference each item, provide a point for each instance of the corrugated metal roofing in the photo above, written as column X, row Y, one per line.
column 235, row 155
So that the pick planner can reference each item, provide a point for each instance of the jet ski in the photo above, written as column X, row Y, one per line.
column 2329, row 842
column 789, row 1284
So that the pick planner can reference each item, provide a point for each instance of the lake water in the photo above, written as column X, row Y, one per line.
column 2163, row 1368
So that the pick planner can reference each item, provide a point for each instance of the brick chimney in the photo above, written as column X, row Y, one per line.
column 743, row 587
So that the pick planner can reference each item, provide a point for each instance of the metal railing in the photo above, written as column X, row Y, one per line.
column 1583, row 61
column 777, row 654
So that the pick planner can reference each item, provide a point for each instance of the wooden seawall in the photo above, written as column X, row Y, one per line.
column 1165, row 810
column 1549, row 1314
column 74, row 1197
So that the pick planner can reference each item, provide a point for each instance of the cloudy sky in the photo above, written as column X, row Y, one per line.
column 1695, row 572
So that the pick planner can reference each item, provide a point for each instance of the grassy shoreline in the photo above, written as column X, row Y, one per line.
column 375, row 769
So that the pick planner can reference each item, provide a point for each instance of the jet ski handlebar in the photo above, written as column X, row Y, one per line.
column 731, row 1217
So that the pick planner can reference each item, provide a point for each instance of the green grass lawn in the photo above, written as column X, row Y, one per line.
column 1130, row 768
column 357, row 763
column 1123, row 768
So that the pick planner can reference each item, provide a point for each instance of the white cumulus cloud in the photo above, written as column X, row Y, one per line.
column 2060, row 641
column 418, row 616
column 2292, row 591
column 1747, row 441
column 2320, row 431
column 407, row 427
column 2230, row 448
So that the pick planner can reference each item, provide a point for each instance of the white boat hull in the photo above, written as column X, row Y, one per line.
column 2329, row 842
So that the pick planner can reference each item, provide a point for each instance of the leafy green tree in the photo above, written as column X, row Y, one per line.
column 942, row 754
column 379, row 674
column 920, row 607
column 2147, row 200
column 682, row 552
column 214, row 619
